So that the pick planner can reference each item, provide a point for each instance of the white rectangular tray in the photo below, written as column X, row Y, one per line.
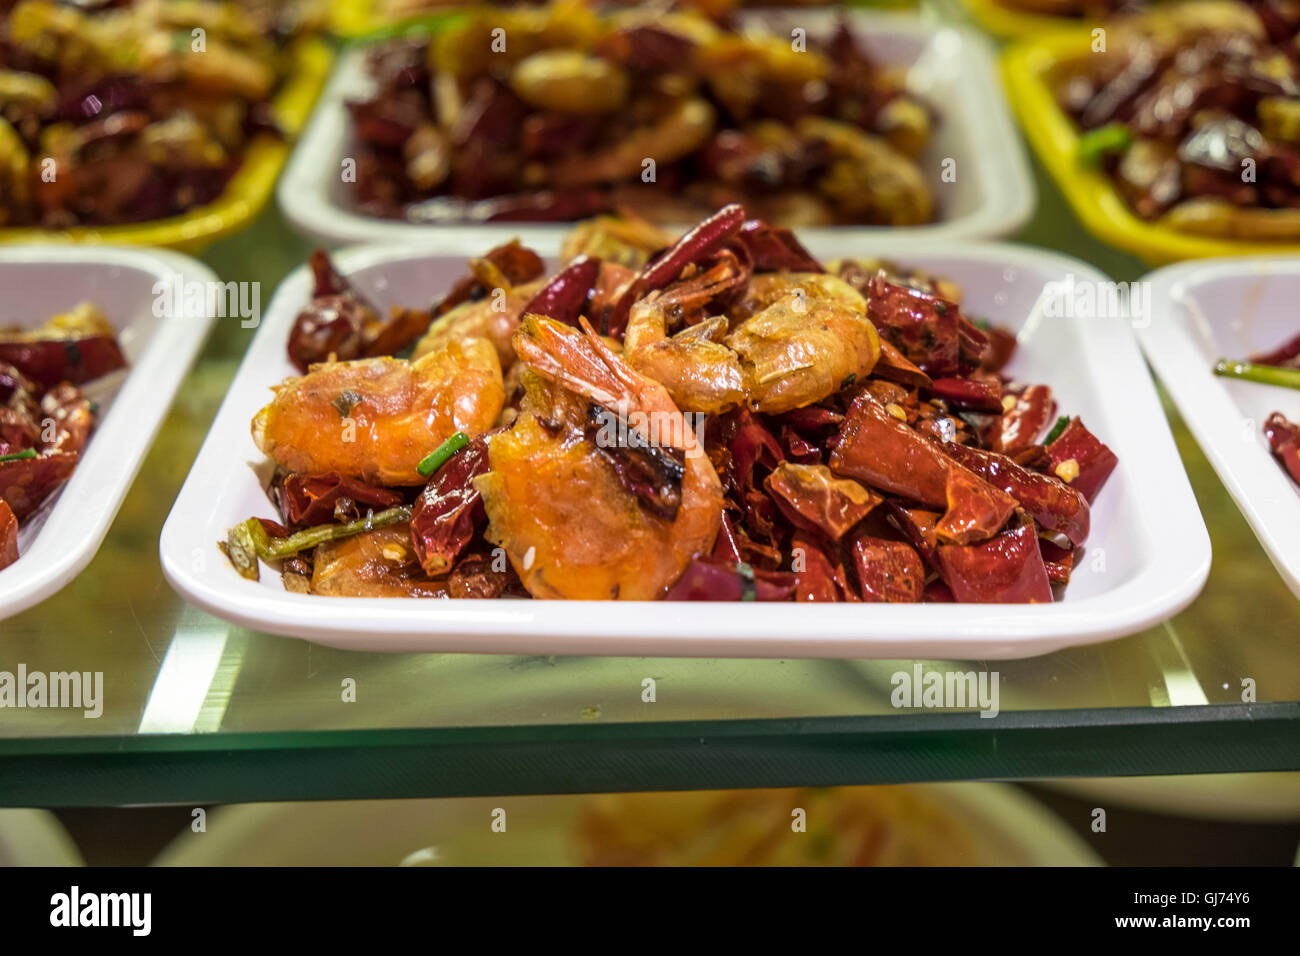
column 992, row 196
column 37, row 282
column 1147, row 557
column 1233, row 308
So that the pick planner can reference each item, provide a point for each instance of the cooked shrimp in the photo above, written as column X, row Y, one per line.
column 868, row 178
column 569, row 81
column 800, row 337
column 375, row 419
column 796, row 353
column 554, row 498
column 494, row 318
column 679, row 132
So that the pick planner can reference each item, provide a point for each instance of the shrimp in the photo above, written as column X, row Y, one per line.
column 699, row 372
column 494, row 318
column 555, row 495
column 376, row 419
column 679, row 132
column 867, row 177
column 799, row 338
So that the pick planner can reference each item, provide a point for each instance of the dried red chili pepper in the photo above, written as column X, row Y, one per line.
column 702, row 241
column 1052, row 503
column 1284, row 438
column 564, row 297
column 894, row 367
column 976, row 509
column 1058, row 561
column 918, row 526
column 1093, row 461
column 970, row 393
column 921, row 325
column 774, row 249
column 449, row 509
column 8, row 535
column 48, row 361
column 886, row 453
column 1007, row 569
column 706, row 581
column 814, row 499
column 308, row 500
column 27, row 482
column 67, row 412
column 1286, row 355
column 888, row 571
column 1024, row 421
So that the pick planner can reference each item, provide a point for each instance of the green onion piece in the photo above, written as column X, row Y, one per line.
column 439, row 457
column 748, row 586
column 249, row 541
column 18, row 456
column 1263, row 374
column 411, row 27
column 1061, row 425
column 1102, row 141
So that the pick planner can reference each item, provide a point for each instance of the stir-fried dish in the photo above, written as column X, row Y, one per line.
column 559, row 113
column 122, row 112
column 1193, row 110
column 717, row 418
column 1280, row 367
column 45, row 419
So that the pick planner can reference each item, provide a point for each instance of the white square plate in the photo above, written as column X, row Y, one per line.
column 37, row 282
column 1147, row 557
column 992, row 195
column 1233, row 308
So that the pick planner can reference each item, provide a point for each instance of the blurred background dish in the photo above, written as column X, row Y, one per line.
column 161, row 124
column 885, row 120
column 35, row 838
column 963, row 824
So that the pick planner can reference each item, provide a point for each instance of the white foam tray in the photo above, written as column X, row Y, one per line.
column 1147, row 556
column 1232, row 308
column 37, row 282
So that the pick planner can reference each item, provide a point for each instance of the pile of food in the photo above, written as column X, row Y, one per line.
column 1280, row 367
column 116, row 113
column 715, row 418
column 1193, row 110
column 45, row 419
column 557, row 114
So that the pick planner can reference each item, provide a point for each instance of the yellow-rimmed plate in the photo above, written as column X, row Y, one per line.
column 248, row 191
column 1026, row 71
column 1003, row 21
column 360, row 18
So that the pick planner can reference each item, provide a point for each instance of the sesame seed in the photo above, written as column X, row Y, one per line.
column 1008, row 402
column 529, row 556
column 1068, row 470
column 896, row 411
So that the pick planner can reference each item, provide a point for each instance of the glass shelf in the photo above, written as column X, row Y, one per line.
column 198, row 711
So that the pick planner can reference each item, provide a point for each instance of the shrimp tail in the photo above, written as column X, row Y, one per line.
column 566, row 356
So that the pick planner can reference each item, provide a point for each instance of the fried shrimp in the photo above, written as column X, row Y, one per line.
column 494, row 318
column 375, row 419
column 570, row 507
column 799, row 337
